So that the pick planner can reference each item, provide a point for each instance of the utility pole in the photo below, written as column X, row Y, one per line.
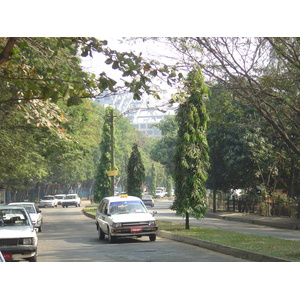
column 112, row 152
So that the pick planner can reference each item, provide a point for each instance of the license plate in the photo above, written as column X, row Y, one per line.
column 136, row 229
column 7, row 256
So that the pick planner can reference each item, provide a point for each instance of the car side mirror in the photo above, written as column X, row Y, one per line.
column 154, row 213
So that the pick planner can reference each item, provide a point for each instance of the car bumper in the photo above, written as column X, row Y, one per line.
column 46, row 205
column 150, row 203
column 70, row 203
column 20, row 252
column 133, row 231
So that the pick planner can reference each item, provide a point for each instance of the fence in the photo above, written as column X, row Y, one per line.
column 262, row 205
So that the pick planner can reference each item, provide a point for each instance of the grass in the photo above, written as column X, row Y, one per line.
column 285, row 249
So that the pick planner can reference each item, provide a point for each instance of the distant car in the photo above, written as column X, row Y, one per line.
column 159, row 194
column 59, row 197
column 34, row 213
column 18, row 238
column 71, row 199
column 48, row 201
column 124, row 216
column 148, row 200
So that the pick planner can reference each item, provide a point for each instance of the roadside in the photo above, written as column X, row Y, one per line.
column 244, row 254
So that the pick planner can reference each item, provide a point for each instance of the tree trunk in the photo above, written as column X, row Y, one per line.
column 187, row 220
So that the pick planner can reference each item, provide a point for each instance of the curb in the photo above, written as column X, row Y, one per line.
column 247, row 255
column 244, row 254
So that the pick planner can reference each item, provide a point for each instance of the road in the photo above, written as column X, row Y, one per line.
column 70, row 236
column 164, row 213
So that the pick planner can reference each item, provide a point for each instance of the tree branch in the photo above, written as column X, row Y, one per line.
column 7, row 51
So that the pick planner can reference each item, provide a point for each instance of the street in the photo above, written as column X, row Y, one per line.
column 70, row 236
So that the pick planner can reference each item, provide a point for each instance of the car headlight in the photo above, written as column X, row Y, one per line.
column 152, row 223
column 28, row 241
column 117, row 225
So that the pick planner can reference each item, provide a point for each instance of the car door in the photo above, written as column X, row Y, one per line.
column 102, row 216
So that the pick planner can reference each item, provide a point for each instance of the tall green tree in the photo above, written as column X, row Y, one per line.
column 191, row 157
column 135, row 173
column 102, row 180
column 153, row 180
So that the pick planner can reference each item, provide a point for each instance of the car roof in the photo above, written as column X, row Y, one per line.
column 12, row 207
column 18, row 203
column 121, row 198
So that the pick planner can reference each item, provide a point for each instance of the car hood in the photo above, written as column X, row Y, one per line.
column 137, row 217
column 17, row 231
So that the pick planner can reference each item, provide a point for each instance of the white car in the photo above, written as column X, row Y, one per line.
column 124, row 216
column 71, row 199
column 18, row 238
column 34, row 213
column 59, row 197
column 48, row 201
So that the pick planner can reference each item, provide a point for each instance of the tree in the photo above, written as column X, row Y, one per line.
column 102, row 180
column 153, row 180
column 191, row 157
column 135, row 173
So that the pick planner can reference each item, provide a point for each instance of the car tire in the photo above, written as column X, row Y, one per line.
column 40, row 229
column 101, row 234
column 33, row 258
column 111, row 238
column 152, row 237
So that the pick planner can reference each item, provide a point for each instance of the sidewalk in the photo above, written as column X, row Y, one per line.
column 273, row 221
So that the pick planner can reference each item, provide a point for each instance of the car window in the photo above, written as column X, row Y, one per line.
column 126, row 207
column 29, row 208
column 13, row 217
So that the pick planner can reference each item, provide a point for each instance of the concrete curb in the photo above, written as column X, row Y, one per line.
column 247, row 255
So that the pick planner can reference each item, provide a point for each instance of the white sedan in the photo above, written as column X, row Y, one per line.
column 34, row 212
column 124, row 216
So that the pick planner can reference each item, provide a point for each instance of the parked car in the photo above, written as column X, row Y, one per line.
column 71, row 199
column 34, row 213
column 48, row 201
column 148, row 200
column 18, row 238
column 59, row 197
column 124, row 216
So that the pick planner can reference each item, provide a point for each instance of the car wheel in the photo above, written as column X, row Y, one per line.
column 152, row 237
column 101, row 234
column 33, row 258
column 40, row 229
column 111, row 238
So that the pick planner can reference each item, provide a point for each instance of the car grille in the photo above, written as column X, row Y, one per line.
column 9, row 242
column 131, row 224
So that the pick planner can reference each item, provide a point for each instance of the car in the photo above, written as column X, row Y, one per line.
column 18, row 237
column 148, row 200
column 124, row 216
column 71, row 199
column 59, row 197
column 159, row 194
column 48, row 200
column 34, row 213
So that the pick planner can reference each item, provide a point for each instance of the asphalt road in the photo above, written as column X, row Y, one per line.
column 70, row 236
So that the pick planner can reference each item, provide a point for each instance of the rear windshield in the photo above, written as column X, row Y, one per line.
column 126, row 207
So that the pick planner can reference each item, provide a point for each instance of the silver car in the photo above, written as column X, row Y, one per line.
column 34, row 212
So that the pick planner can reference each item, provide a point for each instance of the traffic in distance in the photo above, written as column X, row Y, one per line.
column 118, row 216
column 20, row 222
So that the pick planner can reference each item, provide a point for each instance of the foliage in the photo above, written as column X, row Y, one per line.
column 102, row 181
column 152, row 187
column 135, row 173
column 191, row 157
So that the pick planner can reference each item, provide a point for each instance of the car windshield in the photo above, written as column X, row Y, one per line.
column 13, row 217
column 70, row 197
column 30, row 208
column 59, row 197
column 126, row 207
column 47, row 198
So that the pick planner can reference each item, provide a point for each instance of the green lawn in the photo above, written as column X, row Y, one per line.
column 285, row 249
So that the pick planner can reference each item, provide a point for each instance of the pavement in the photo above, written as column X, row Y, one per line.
column 272, row 221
